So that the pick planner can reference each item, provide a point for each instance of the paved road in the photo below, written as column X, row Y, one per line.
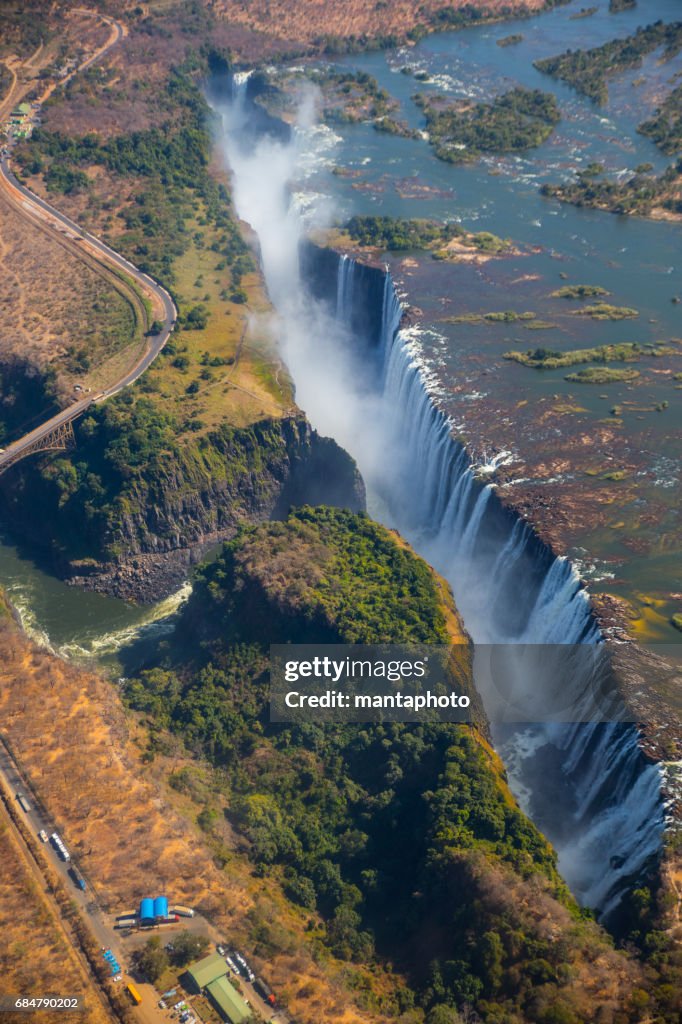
column 32, row 206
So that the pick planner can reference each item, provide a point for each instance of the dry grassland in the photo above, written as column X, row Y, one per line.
column 70, row 733
column 35, row 956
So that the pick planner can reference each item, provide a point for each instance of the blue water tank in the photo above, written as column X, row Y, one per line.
column 147, row 909
column 161, row 906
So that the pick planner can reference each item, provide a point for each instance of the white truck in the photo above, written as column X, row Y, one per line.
column 183, row 911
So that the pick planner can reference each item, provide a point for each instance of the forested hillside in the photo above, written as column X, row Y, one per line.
column 404, row 837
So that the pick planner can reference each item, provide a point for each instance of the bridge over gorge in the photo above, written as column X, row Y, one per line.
column 55, row 435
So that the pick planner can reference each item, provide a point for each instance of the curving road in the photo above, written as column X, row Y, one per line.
column 41, row 213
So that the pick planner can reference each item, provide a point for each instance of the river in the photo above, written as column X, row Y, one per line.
column 588, row 787
column 636, row 260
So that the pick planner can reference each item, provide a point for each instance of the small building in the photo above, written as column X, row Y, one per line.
column 227, row 1001
column 206, row 971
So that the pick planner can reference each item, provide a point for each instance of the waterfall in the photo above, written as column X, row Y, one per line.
column 344, row 289
column 586, row 784
column 607, row 815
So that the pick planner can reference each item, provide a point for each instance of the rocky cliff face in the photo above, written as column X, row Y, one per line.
column 163, row 523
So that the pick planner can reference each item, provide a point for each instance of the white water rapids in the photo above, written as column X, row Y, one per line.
column 375, row 402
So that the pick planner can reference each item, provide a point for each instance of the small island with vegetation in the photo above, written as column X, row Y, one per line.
column 527, row 319
column 625, row 352
column 665, row 127
column 445, row 241
column 579, row 291
column 512, row 40
column 604, row 311
column 347, row 97
column 643, row 194
column 621, row 5
column 602, row 375
column 588, row 70
column 517, row 120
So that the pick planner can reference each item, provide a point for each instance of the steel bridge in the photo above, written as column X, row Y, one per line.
column 60, row 438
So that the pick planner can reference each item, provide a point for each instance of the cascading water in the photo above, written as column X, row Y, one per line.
column 606, row 813
column 612, row 798
column 343, row 284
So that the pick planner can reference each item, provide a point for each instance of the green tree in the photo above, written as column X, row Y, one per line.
column 187, row 947
column 152, row 960
column 443, row 1014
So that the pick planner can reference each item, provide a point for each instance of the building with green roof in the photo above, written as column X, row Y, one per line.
column 205, row 971
column 227, row 1001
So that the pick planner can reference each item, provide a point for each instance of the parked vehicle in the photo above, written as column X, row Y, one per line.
column 77, row 878
column 244, row 968
column 183, row 911
column 231, row 964
column 23, row 802
column 43, row 836
column 59, row 847
column 133, row 993
column 264, row 991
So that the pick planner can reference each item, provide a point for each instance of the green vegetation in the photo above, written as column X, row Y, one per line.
column 187, row 946
column 486, row 241
column 511, row 40
column 350, row 96
column 396, row 234
column 549, row 359
column 676, row 620
column 579, row 291
column 603, row 375
column 588, row 70
column 621, row 5
column 361, row 585
column 24, row 397
column 506, row 317
column 389, row 831
column 130, row 459
column 390, row 126
column 172, row 165
column 584, row 12
column 665, row 127
column 152, row 960
column 604, row 311
column 448, row 18
column 641, row 194
column 516, row 121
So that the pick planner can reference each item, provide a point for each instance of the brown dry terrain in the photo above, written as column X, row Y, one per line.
column 307, row 21
column 27, row 967
column 53, row 309
column 125, row 91
column 131, row 833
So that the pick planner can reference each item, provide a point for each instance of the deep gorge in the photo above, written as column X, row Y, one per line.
column 357, row 374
